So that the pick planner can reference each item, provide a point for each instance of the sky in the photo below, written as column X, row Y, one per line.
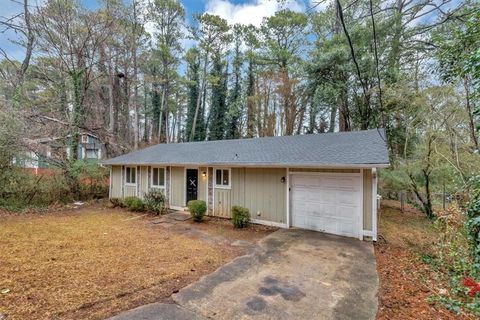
column 234, row 11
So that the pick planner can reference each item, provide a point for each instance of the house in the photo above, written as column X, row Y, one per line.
column 43, row 153
column 325, row 182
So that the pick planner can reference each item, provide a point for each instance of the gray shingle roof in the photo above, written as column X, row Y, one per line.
column 355, row 148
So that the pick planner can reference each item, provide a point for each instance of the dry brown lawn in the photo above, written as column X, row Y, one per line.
column 94, row 262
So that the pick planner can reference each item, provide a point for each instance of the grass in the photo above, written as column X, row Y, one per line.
column 93, row 263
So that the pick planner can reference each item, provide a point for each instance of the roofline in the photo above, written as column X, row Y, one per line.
column 262, row 165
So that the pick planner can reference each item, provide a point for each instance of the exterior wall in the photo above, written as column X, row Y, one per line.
column 210, row 191
column 258, row 189
column 129, row 191
column 177, row 190
column 202, row 184
column 116, row 182
column 143, row 181
column 367, row 199
column 167, row 185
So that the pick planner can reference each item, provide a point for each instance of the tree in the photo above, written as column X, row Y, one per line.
column 459, row 58
column 233, row 130
column 218, row 108
column 284, row 35
column 212, row 35
column 168, row 18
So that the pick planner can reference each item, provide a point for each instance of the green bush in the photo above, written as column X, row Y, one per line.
column 197, row 209
column 134, row 204
column 240, row 217
column 155, row 201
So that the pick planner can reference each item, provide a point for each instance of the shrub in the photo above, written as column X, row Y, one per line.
column 134, row 204
column 197, row 209
column 155, row 201
column 240, row 217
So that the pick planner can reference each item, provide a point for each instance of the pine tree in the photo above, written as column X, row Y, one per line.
column 233, row 130
column 193, row 67
column 218, row 109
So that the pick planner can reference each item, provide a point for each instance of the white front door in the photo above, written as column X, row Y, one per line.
column 327, row 202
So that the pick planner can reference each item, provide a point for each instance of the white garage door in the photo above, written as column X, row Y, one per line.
column 329, row 203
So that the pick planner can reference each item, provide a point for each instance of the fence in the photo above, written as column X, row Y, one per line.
column 439, row 199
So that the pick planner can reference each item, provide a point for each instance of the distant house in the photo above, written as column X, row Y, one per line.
column 44, row 153
column 324, row 182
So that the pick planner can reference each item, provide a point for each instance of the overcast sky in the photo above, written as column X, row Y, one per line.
column 234, row 11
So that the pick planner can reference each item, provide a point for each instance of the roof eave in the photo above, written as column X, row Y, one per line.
column 263, row 165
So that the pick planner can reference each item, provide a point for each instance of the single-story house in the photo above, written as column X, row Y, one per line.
column 325, row 182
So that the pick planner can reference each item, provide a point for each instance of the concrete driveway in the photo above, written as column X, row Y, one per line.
column 293, row 274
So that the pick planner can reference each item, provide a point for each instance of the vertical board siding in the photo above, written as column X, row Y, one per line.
column 202, row 184
column 265, row 194
column 130, row 191
column 178, row 186
column 223, row 203
column 260, row 190
column 116, row 181
column 143, row 182
column 210, row 191
column 367, row 199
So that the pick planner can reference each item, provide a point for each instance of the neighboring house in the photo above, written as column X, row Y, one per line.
column 43, row 153
column 325, row 182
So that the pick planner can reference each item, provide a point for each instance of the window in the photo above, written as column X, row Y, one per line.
column 84, row 138
column 130, row 175
column 158, row 177
column 222, row 178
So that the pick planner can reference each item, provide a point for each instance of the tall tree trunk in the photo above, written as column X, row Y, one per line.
column 250, row 101
column 136, row 136
column 199, row 99
column 471, row 121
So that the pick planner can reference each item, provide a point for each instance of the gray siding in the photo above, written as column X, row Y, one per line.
column 367, row 199
column 116, row 182
column 259, row 190
column 177, row 190
column 202, row 184
column 143, row 181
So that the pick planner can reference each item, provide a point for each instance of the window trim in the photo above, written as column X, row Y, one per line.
column 164, row 177
column 222, row 186
column 130, row 183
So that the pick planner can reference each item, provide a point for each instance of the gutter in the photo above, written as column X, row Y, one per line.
column 257, row 165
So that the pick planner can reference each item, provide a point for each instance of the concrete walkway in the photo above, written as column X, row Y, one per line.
column 293, row 274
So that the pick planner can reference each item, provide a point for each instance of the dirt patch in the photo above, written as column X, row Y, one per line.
column 93, row 262
column 406, row 282
column 224, row 228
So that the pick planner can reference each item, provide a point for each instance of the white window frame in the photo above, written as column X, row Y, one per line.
column 222, row 186
column 130, row 183
column 164, row 178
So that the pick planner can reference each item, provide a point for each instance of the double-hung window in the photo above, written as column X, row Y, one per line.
column 158, row 177
column 222, row 178
column 130, row 175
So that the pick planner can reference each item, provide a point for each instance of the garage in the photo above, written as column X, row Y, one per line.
column 327, row 202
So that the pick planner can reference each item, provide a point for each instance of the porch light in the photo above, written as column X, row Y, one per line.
column 204, row 174
column 282, row 180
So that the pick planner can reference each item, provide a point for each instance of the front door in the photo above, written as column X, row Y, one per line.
column 192, row 184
